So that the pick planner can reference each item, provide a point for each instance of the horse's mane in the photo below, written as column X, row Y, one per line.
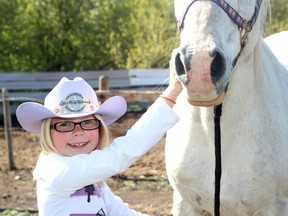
column 270, row 71
column 266, row 13
column 265, row 61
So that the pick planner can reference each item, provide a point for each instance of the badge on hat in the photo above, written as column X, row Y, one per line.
column 74, row 103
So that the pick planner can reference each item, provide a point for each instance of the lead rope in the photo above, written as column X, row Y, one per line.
column 218, row 163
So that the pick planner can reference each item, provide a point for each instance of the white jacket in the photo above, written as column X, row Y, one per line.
column 61, row 180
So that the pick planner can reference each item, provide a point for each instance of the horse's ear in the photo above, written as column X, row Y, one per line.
column 180, row 7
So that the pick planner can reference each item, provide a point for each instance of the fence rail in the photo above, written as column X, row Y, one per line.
column 35, row 86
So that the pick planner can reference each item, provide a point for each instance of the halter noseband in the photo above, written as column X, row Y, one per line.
column 243, row 24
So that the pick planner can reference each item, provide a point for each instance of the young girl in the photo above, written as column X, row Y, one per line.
column 76, row 158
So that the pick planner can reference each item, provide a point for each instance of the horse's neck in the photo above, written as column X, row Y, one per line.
column 258, row 75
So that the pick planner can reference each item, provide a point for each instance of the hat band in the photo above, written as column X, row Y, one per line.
column 74, row 103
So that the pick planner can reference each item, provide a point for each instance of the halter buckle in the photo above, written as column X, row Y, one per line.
column 244, row 33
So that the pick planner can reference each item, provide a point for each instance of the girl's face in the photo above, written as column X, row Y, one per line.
column 77, row 141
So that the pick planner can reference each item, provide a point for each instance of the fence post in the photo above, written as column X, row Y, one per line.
column 103, row 83
column 8, row 127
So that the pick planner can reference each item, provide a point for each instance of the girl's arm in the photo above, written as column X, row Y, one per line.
column 70, row 173
column 115, row 205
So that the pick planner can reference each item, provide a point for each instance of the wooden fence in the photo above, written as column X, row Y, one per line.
column 25, row 86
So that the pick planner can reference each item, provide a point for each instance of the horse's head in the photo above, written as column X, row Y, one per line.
column 211, row 43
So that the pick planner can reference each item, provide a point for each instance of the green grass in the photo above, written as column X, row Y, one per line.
column 11, row 212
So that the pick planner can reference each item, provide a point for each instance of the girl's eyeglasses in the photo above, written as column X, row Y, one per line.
column 68, row 126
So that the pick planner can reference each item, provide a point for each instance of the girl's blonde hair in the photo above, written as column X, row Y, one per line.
column 47, row 144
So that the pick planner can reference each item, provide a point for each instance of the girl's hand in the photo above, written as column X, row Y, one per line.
column 174, row 88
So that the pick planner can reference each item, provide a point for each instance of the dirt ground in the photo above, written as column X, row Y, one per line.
column 144, row 186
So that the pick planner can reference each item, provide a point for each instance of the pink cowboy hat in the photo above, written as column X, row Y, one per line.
column 69, row 99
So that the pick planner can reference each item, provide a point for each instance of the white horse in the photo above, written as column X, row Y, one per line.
column 217, row 64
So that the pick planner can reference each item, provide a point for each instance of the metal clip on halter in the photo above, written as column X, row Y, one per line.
column 244, row 37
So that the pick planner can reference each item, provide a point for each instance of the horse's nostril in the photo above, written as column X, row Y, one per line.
column 217, row 67
column 180, row 70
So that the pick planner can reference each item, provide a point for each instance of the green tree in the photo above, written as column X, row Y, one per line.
column 140, row 32
column 153, row 28
column 57, row 33
column 8, row 34
column 278, row 21
column 75, row 35
column 61, row 35
column 113, row 32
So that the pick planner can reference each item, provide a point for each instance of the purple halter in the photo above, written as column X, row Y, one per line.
column 242, row 24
